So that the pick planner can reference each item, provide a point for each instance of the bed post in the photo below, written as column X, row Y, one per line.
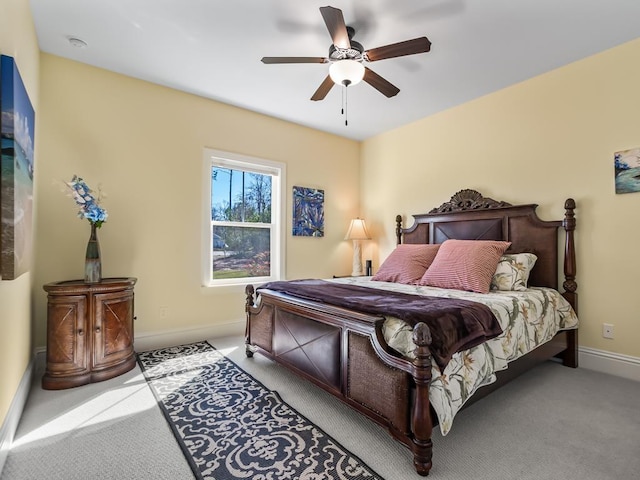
column 249, row 302
column 398, row 229
column 569, row 224
column 570, row 356
column 421, row 422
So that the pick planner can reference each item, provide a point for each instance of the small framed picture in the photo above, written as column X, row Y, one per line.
column 627, row 170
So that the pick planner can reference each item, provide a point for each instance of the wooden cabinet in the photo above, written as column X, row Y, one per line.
column 89, row 331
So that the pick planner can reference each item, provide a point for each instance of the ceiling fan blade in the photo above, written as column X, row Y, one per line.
column 271, row 60
column 323, row 89
column 379, row 83
column 408, row 47
column 335, row 24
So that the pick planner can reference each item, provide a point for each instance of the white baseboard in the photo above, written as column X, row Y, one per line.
column 10, row 424
column 607, row 362
column 166, row 338
column 152, row 340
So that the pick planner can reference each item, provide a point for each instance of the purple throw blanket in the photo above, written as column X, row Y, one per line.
column 455, row 324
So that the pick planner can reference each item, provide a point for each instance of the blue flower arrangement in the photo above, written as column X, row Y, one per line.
column 89, row 205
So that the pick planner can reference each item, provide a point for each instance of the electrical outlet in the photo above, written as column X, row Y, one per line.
column 163, row 311
column 607, row 330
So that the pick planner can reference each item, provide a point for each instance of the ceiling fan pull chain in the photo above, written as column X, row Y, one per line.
column 346, row 106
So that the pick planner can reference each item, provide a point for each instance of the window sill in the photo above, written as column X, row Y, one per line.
column 232, row 288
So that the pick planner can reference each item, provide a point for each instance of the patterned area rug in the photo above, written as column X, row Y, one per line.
column 231, row 426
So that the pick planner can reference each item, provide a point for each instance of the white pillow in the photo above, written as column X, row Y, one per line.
column 513, row 272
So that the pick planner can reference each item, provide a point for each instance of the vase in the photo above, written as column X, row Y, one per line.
column 92, row 263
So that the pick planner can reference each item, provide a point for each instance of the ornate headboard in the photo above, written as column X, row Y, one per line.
column 471, row 216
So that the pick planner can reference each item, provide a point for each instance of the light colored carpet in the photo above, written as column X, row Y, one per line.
column 552, row 423
column 108, row 430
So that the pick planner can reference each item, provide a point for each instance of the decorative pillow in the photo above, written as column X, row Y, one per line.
column 406, row 264
column 465, row 265
column 513, row 272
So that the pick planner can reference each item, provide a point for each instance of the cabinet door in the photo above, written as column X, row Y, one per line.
column 67, row 349
column 113, row 328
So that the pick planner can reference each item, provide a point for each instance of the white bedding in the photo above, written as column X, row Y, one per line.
column 528, row 319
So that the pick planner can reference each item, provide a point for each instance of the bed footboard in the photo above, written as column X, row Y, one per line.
column 344, row 353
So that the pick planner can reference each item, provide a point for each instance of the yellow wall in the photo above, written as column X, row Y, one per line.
column 144, row 144
column 17, row 40
column 540, row 141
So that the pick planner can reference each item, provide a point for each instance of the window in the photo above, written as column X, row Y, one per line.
column 243, row 234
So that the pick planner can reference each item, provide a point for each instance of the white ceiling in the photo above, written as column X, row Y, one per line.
column 213, row 48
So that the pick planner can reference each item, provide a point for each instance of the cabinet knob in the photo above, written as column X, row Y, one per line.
column 98, row 329
column 80, row 332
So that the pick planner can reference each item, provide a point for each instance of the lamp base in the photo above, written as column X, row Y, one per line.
column 357, row 260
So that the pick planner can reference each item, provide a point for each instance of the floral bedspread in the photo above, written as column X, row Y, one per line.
column 528, row 319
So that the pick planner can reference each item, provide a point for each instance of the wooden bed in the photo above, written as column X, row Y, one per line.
column 344, row 351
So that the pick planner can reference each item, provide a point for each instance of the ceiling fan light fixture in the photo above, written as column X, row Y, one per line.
column 346, row 72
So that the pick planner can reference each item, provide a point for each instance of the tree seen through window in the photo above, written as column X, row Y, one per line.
column 241, row 221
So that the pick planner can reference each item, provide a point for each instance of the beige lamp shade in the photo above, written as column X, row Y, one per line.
column 357, row 230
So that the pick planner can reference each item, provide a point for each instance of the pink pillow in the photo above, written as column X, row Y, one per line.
column 465, row 265
column 407, row 263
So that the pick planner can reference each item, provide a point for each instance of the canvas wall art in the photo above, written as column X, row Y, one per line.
column 627, row 170
column 308, row 212
column 17, row 122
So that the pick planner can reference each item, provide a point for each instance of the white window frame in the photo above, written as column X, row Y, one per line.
column 219, row 158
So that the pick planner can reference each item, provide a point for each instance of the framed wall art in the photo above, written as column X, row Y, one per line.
column 627, row 170
column 17, row 120
column 308, row 212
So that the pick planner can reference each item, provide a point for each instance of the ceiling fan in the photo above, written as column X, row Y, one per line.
column 347, row 56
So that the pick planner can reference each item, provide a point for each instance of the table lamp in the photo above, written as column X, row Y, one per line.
column 357, row 231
